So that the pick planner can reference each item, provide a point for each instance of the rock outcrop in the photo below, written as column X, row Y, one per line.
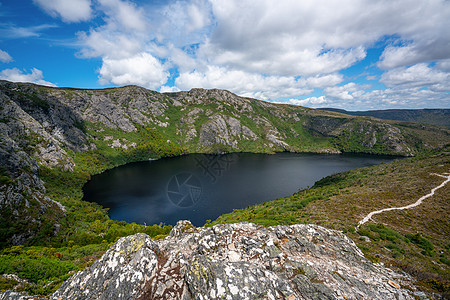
column 236, row 261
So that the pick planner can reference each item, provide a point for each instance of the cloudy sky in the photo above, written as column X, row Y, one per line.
column 351, row 54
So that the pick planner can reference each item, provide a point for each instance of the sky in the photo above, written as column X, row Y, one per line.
column 349, row 54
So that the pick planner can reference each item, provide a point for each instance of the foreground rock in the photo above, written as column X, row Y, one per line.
column 236, row 261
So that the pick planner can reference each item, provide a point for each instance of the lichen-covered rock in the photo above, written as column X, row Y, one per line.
column 236, row 261
column 120, row 274
column 12, row 295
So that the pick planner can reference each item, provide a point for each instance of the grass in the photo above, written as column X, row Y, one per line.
column 413, row 240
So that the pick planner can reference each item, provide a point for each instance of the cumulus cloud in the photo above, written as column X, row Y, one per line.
column 419, row 75
column 168, row 89
column 311, row 101
column 324, row 81
column 5, row 57
column 443, row 65
column 243, row 83
column 141, row 69
column 68, row 10
column 401, row 98
column 106, row 43
column 424, row 39
column 124, row 14
column 286, row 36
column 345, row 92
column 17, row 75
column 272, row 49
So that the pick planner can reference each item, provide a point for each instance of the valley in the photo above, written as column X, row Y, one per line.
column 54, row 139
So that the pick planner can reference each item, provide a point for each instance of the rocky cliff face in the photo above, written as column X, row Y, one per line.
column 22, row 193
column 235, row 261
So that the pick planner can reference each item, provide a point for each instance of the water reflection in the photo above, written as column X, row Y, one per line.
column 200, row 187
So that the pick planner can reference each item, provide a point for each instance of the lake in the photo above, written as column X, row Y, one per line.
column 198, row 187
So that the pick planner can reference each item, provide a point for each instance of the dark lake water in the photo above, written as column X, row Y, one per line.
column 199, row 187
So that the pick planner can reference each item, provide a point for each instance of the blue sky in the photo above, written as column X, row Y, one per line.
column 355, row 55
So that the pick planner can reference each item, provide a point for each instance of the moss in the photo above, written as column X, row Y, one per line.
column 299, row 271
column 136, row 244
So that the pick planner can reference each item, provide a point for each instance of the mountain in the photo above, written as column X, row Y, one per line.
column 54, row 139
column 439, row 117
column 53, row 133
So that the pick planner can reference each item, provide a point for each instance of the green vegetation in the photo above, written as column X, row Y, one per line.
column 32, row 99
column 68, row 241
column 409, row 240
column 85, row 230
column 149, row 144
column 45, row 268
column 4, row 177
column 421, row 242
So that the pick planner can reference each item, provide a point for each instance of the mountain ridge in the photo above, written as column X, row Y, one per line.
column 54, row 139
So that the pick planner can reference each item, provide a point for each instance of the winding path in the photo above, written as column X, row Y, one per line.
column 418, row 202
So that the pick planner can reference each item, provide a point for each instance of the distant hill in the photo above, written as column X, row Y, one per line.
column 439, row 117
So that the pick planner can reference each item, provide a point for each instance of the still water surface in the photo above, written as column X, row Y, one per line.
column 199, row 187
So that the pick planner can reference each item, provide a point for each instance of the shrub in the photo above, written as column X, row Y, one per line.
column 34, row 270
column 421, row 242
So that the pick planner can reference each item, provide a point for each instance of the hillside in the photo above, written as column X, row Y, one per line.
column 439, row 117
column 414, row 240
column 54, row 139
column 64, row 135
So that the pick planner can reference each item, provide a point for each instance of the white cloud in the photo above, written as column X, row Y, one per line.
column 68, row 10
column 243, row 83
column 401, row 98
column 311, row 101
column 16, row 75
column 142, row 69
column 302, row 37
column 168, row 89
column 111, row 44
column 270, row 49
column 13, row 32
column 324, row 81
column 124, row 14
column 443, row 65
column 425, row 37
column 5, row 57
column 345, row 92
column 419, row 75
column 197, row 17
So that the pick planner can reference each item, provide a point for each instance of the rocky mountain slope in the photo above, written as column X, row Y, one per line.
column 235, row 261
column 198, row 120
column 54, row 127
